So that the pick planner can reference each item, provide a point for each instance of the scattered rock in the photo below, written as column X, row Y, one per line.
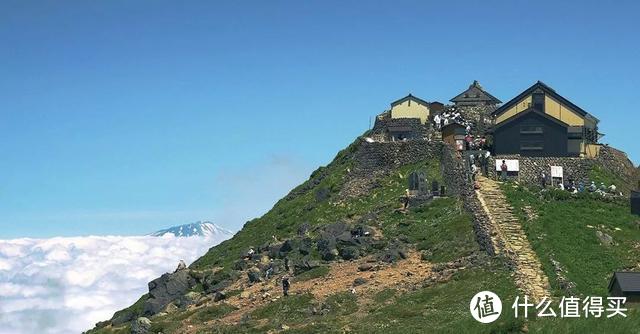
column 349, row 253
column 218, row 296
column 191, row 297
column 365, row 267
column 254, row 275
column 359, row 281
column 605, row 239
column 141, row 325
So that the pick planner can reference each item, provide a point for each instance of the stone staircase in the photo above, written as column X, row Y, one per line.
column 510, row 240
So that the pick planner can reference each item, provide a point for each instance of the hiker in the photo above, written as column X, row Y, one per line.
column 487, row 155
column 612, row 189
column 405, row 200
column 580, row 187
column 285, row 285
column 474, row 171
column 250, row 253
column 503, row 171
column 181, row 266
column 468, row 139
column 269, row 270
column 436, row 120
column 592, row 187
column 543, row 180
column 286, row 264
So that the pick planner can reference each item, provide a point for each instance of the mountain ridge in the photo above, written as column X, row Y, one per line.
column 202, row 228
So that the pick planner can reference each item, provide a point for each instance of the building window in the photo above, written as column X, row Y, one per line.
column 531, row 146
column 531, row 129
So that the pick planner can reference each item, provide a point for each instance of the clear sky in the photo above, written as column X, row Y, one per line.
column 123, row 117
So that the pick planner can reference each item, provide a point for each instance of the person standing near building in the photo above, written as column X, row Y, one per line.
column 543, row 180
column 485, row 167
column 503, row 171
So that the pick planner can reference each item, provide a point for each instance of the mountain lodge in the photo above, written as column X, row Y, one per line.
column 540, row 122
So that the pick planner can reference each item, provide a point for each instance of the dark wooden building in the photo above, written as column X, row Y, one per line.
column 540, row 122
column 475, row 95
column 635, row 202
column 532, row 133
column 625, row 284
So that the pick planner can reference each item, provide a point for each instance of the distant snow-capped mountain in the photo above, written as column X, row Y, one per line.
column 201, row 229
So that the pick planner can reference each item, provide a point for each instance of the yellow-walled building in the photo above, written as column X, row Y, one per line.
column 410, row 107
column 540, row 122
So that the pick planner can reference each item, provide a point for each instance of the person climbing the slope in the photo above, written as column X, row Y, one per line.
column 285, row 285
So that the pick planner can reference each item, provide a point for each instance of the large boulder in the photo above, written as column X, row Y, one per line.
column 254, row 275
column 122, row 317
column 287, row 246
column 349, row 253
column 393, row 254
column 327, row 248
column 305, row 246
column 141, row 325
column 165, row 289
column 304, row 265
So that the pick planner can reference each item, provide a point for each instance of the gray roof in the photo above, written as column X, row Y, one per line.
column 475, row 93
column 628, row 281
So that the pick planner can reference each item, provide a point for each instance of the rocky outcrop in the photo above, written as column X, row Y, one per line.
column 166, row 289
column 141, row 325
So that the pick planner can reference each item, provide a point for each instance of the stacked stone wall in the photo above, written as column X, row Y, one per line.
column 376, row 159
column 459, row 184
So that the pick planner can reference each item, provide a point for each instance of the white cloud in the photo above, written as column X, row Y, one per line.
column 66, row 285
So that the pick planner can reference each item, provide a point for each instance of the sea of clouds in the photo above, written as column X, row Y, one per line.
column 66, row 285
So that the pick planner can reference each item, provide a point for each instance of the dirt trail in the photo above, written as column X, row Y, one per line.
column 340, row 278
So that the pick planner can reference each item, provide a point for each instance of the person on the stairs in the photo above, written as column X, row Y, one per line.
column 474, row 171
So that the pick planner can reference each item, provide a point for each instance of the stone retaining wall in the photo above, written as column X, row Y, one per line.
column 375, row 160
column 459, row 184
column 532, row 167
column 578, row 169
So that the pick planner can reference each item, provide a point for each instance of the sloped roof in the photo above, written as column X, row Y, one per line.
column 527, row 112
column 475, row 93
column 628, row 281
column 409, row 97
column 547, row 90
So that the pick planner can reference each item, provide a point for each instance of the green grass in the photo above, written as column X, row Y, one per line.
column 212, row 312
column 312, row 274
column 599, row 174
column 562, row 232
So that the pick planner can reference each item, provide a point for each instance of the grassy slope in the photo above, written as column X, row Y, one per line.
column 562, row 232
column 444, row 230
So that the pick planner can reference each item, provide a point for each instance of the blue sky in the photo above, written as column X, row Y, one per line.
column 123, row 117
